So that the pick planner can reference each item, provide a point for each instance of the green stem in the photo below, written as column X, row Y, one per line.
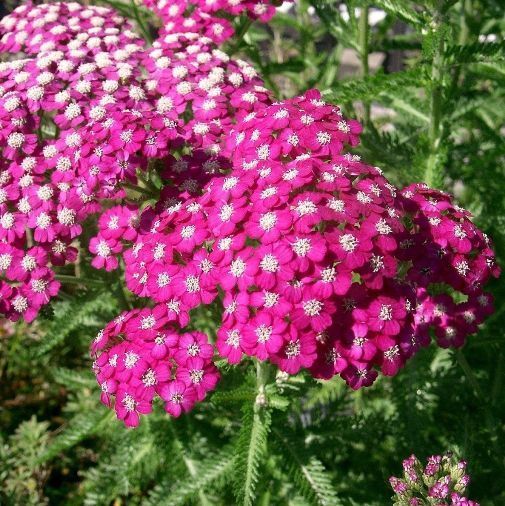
column 431, row 176
column 240, row 33
column 143, row 27
column 263, row 376
column 363, row 42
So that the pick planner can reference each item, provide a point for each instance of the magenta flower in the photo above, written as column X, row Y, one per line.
column 229, row 343
column 129, row 406
column 442, row 481
column 264, row 335
column 179, row 397
column 200, row 374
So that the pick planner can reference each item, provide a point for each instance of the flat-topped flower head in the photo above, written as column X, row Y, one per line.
column 301, row 240
column 141, row 355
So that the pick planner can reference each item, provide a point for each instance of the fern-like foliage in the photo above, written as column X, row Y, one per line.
column 82, row 426
column 205, row 474
column 250, row 452
column 309, row 476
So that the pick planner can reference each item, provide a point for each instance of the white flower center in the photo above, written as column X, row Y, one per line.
column 306, row 207
column 130, row 359
column 233, row 338
column 382, row 227
column 268, row 221
column 348, row 242
column 192, row 284
column 196, row 375
column 226, row 212
column 293, row 349
column 103, row 249
column 323, row 138
column 129, row 403
column 301, row 247
column 263, row 333
column 392, row 352
column 188, row 231
column 386, row 312
column 328, row 275
column 149, row 379
column 20, row 304
column 312, row 307
column 237, row 267
column 269, row 263
column 66, row 216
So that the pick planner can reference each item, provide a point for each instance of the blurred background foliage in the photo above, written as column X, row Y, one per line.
column 427, row 81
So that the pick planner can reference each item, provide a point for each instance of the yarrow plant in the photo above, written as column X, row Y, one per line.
column 79, row 118
column 286, row 295
column 318, row 262
column 48, row 102
column 141, row 355
column 442, row 481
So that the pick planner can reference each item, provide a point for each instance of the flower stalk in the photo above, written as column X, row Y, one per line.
column 432, row 174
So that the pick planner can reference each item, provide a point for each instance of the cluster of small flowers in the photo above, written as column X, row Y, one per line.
column 140, row 355
column 118, row 226
column 43, row 199
column 208, row 18
column 80, row 117
column 319, row 259
column 68, row 27
column 441, row 482
column 191, row 75
column 447, row 249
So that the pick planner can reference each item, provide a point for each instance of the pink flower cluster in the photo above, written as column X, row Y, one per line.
column 79, row 118
column 140, row 355
column 320, row 261
column 68, row 27
column 449, row 252
column 45, row 102
column 192, row 76
column 441, row 482
column 210, row 18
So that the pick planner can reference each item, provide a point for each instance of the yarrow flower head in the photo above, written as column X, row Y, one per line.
column 309, row 247
column 109, row 120
column 141, row 355
column 442, row 481
column 49, row 186
column 194, row 77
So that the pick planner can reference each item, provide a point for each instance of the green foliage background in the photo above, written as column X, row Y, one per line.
column 439, row 118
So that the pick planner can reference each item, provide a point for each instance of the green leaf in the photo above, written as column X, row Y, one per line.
column 72, row 379
column 69, row 316
column 308, row 473
column 380, row 83
column 80, row 427
column 168, row 493
column 402, row 11
column 479, row 51
column 250, row 451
